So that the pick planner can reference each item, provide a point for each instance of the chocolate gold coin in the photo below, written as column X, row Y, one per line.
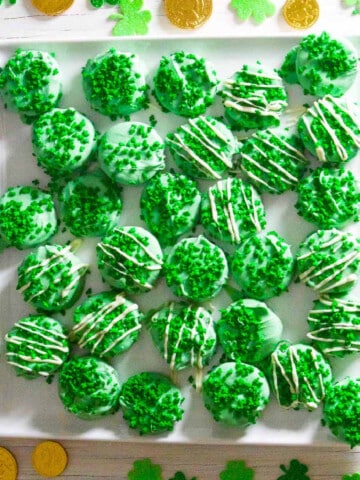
column 301, row 14
column 52, row 7
column 8, row 465
column 49, row 459
column 188, row 14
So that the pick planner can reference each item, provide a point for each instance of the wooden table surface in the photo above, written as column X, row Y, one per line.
column 113, row 460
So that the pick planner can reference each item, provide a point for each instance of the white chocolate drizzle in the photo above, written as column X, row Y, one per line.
column 42, row 350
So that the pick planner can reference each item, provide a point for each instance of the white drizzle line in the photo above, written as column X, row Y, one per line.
column 227, row 209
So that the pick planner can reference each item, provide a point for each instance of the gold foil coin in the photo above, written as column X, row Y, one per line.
column 52, row 7
column 188, row 14
column 8, row 465
column 49, row 459
column 301, row 14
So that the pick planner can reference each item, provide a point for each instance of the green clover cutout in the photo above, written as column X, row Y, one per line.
column 100, row 3
column 145, row 470
column 259, row 10
column 295, row 471
column 354, row 476
column 180, row 476
column 353, row 3
column 131, row 20
column 237, row 470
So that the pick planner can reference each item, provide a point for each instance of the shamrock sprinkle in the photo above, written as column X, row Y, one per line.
column 100, row 3
column 237, row 470
column 353, row 3
column 145, row 470
column 295, row 471
column 259, row 10
column 131, row 20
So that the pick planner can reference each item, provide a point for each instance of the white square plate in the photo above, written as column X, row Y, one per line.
column 32, row 408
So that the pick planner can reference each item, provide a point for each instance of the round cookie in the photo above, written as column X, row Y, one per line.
column 150, row 403
column 329, row 198
column 27, row 217
column 335, row 325
column 114, row 84
column 326, row 65
column 170, row 205
column 342, row 410
column 90, row 205
column 299, row 376
column 51, row 278
column 273, row 161
column 248, row 330
column 131, row 153
column 89, row 388
column 330, row 130
column 184, row 335
column 328, row 261
column 106, row 324
column 231, row 209
column 185, row 84
column 235, row 393
column 37, row 346
column 262, row 265
column 254, row 97
column 203, row 148
column 196, row 269
column 63, row 140
column 30, row 83
column 130, row 259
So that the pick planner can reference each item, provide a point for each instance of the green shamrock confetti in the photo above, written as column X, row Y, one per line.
column 180, row 476
column 131, row 20
column 259, row 10
column 295, row 471
column 354, row 476
column 237, row 470
column 353, row 3
column 100, row 3
column 145, row 470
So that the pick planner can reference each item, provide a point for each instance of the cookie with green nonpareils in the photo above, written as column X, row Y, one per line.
column 196, row 269
column 63, row 140
column 131, row 153
column 151, row 403
column 235, row 393
column 185, row 84
column 248, row 330
column 114, row 84
column 31, row 83
column 89, row 387
column 27, row 217
column 90, row 205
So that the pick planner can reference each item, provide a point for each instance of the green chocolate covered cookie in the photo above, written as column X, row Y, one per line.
column 27, row 217
column 130, row 259
column 131, row 153
column 329, row 261
column 89, row 388
column 231, row 209
column 114, row 84
column 235, row 393
column 37, row 346
column 63, row 141
column 203, row 148
column 185, row 84
column 151, row 403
